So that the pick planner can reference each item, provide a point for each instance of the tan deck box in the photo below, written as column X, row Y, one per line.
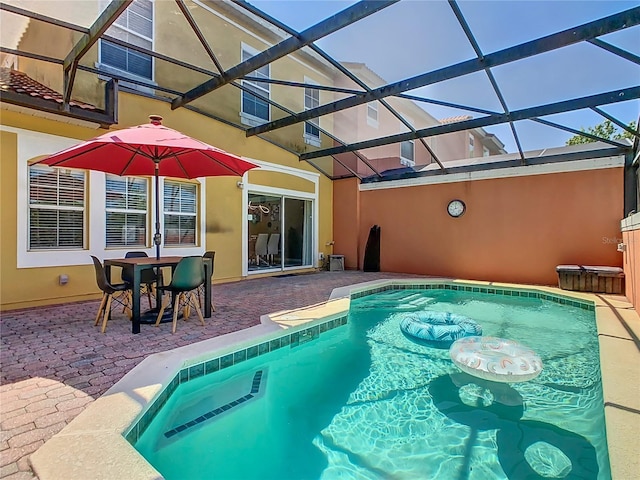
column 587, row 278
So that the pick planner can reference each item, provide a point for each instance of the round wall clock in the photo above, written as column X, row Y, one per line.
column 456, row 208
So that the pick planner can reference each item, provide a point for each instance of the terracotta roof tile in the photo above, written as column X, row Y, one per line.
column 19, row 82
column 459, row 118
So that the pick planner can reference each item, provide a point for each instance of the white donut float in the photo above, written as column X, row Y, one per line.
column 495, row 359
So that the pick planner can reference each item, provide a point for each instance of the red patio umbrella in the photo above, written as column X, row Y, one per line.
column 150, row 149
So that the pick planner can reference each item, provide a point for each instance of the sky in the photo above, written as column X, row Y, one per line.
column 417, row 36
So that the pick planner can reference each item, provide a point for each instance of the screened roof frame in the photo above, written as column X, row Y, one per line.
column 588, row 32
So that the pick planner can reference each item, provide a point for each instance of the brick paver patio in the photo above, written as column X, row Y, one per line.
column 55, row 362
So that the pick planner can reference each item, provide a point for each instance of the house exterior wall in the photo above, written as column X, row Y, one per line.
column 515, row 229
column 222, row 216
column 222, row 221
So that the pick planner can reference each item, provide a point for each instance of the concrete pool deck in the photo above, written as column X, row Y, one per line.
column 98, row 433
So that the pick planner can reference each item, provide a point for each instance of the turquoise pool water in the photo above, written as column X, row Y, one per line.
column 362, row 401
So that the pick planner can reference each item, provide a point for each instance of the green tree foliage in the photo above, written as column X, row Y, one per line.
column 606, row 129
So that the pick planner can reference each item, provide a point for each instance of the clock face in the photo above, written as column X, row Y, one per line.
column 456, row 208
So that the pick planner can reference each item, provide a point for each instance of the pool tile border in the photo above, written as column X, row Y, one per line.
column 208, row 366
column 509, row 292
column 305, row 335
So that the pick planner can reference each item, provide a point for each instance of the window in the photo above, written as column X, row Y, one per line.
column 180, row 212
column 126, row 202
column 56, row 208
column 485, row 151
column 372, row 114
column 471, row 145
column 407, row 153
column 255, row 111
column 311, row 130
column 134, row 26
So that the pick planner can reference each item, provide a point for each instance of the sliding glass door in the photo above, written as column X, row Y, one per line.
column 280, row 232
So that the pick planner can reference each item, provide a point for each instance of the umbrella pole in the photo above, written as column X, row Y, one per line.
column 157, row 238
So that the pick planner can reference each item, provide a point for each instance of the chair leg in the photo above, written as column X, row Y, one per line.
column 102, row 302
column 128, row 304
column 162, row 309
column 196, row 304
column 175, row 314
column 107, row 311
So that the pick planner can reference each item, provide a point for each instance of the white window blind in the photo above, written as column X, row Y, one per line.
column 126, row 206
column 180, row 213
column 252, row 106
column 56, row 208
column 134, row 26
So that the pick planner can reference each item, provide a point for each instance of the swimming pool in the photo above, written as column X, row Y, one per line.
column 354, row 398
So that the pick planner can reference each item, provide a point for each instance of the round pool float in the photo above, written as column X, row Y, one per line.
column 495, row 359
column 437, row 329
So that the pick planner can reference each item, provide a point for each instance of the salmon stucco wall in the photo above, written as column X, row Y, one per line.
column 346, row 218
column 515, row 229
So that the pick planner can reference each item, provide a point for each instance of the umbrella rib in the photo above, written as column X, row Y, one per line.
column 134, row 152
column 235, row 172
column 180, row 165
column 66, row 159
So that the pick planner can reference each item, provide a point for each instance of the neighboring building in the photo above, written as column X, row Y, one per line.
column 373, row 120
column 467, row 143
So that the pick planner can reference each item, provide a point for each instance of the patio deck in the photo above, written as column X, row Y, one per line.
column 54, row 362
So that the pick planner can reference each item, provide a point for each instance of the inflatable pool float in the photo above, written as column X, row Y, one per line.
column 495, row 359
column 437, row 329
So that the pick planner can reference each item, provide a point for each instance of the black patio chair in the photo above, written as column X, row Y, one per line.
column 212, row 255
column 148, row 277
column 120, row 292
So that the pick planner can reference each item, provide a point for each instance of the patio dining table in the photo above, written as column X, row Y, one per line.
column 137, row 264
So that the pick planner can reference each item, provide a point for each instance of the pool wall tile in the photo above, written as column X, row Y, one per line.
column 239, row 356
column 212, row 366
column 274, row 344
column 252, row 352
column 263, row 348
column 196, row 371
column 226, row 361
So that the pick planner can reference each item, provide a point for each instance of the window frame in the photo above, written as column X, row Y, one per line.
column 472, row 145
column 406, row 161
column 373, row 107
column 249, row 118
column 311, row 138
column 195, row 214
column 126, row 73
column 56, row 208
column 126, row 210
